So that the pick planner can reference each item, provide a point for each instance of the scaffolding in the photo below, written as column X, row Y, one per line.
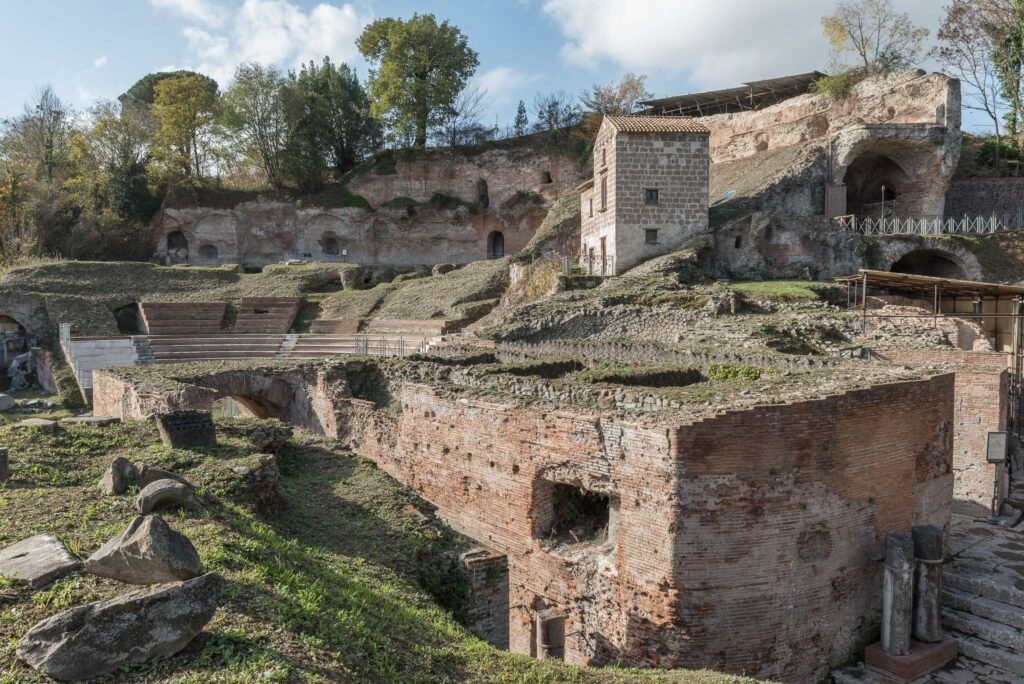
column 750, row 96
column 999, row 308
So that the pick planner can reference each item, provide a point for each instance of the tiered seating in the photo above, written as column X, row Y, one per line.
column 162, row 318
column 411, row 328
column 265, row 315
column 182, row 348
column 317, row 346
column 338, row 326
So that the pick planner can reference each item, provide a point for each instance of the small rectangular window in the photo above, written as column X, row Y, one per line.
column 604, row 193
column 604, row 156
column 591, row 206
column 651, row 236
column 650, row 196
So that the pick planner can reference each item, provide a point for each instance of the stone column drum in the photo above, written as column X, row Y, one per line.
column 898, row 594
column 928, row 584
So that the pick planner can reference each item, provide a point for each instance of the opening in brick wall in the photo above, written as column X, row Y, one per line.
column 571, row 514
column 545, row 177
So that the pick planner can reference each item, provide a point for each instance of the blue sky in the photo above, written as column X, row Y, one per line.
column 90, row 49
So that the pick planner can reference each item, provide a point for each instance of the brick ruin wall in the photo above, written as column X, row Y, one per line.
column 506, row 191
column 741, row 543
column 982, row 401
column 985, row 197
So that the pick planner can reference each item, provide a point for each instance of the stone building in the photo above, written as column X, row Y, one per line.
column 649, row 192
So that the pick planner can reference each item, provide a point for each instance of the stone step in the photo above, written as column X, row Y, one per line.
column 993, row 632
column 991, row 654
column 202, row 356
column 995, row 611
column 1001, row 588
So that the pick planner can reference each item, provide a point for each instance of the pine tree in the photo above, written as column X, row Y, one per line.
column 520, row 125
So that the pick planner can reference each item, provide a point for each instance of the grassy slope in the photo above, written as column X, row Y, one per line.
column 331, row 586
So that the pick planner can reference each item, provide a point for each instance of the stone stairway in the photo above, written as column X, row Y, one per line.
column 223, row 347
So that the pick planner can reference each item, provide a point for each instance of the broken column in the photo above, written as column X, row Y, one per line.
column 5, row 469
column 928, row 584
column 898, row 594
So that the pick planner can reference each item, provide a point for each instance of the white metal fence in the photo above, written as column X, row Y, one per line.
column 966, row 225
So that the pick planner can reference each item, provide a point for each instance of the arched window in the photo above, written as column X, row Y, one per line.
column 482, row 198
column 208, row 253
column 331, row 246
column 495, row 245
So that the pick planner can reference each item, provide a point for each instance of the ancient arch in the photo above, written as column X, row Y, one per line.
column 495, row 245
column 177, row 246
column 931, row 262
column 874, row 183
column 330, row 244
column 483, row 200
column 208, row 252
column 259, row 395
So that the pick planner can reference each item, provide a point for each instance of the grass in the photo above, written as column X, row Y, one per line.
column 343, row 581
column 779, row 289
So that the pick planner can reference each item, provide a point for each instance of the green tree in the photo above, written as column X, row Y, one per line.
column 143, row 91
column 185, row 110
column 1003, row 22
column 419, row 69
column 41, row 135
column 119, row 141
column 253, row 108
column 879, row 38
column 522, row 123
column 617, row 99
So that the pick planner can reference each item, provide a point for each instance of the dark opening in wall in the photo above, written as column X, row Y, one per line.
column 930, row 262
column 550, row 631
column 570, row 514
column 738, row 243
column 177, row 246
column 207, row 252
column 331, row 246
column 545, row 177
column 646, row 377
column 496, row 245
column 482, row 198
column 367, row 277
column 127, row 318
column 252, row 269
column 549, row 370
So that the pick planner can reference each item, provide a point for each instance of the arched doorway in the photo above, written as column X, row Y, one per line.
column 483, row 200
column 873, row 186
column 177, row 246
column 208, row 253
column 930, row 262
column 245, row 407
column 496, row 245
column 331, row 246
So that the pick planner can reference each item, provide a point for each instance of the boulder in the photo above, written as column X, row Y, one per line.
column 36, row 561
column 97, row 638
column 162, row 494
column 269, row 436
column 147, row 552
column 441, row 269
column 117, row 476
column 146, row 475
column 6, row 402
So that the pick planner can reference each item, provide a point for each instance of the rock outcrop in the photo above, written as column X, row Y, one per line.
column 95, row 639
column 147, row 552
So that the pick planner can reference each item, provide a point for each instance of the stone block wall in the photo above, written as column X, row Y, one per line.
column 985, row 197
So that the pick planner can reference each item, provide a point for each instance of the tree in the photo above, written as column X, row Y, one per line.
column 461, row 123
column 555, row 112
column 521, row 124
column 880, row 38
column 967, row 49
column 41, row 135
column 186, row 112
column 419, row 68
column 143, row 91
column 254, row 109
column 118, row 141
column 1003, row 21
column 617, row 99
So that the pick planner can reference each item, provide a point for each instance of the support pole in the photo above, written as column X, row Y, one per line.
column 898, row 594
column 864, row 304
column 928, row 584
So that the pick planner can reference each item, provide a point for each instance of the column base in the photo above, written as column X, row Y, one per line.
column 922, row 659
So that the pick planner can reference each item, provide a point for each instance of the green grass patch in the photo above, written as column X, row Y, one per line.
column 733, row 372
column 778, row 289
column 401, row 202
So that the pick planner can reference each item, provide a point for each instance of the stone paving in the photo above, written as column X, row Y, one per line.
column 984, row 595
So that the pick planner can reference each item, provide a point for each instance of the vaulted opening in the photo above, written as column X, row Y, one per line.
column 482, row 198
column 331, row 246
column 496, row 245
column 208, row 253
column 873, row 186
column 930, row 262
column 128, row 319
column 177, row 246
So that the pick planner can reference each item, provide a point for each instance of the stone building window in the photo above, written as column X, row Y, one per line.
column 604, row 193
column 739, row 242
column 208, row 253
column 651, row 236
column 570, row 514
column 545, row 177
column 331, row 246
column 604, row 156
column 591, row 210
column 650, row 196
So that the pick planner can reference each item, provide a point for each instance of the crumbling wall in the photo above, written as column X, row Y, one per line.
column 985, row 197
column 780, row 512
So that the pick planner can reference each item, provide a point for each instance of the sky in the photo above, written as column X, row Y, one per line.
column 89, row 49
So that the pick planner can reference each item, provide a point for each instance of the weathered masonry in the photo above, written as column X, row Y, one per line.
column 738, row 540
column 649, row 193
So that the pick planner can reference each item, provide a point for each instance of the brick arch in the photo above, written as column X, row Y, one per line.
column 930, row 257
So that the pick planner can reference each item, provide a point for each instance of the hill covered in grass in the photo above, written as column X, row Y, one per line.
column 347, row 578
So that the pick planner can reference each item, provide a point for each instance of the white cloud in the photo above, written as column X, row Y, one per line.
column 502, row 83
column 717, row 44
column 271, row 32
column 100, row 62
column 207, row 12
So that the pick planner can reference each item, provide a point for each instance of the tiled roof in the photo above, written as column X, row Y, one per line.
column 656, row 124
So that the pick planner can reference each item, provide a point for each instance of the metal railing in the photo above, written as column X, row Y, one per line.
column 315, row 256
column 585, row 265
column 384, row 346
column 966, row 225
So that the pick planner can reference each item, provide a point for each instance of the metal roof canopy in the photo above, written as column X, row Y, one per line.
column 752, row 95
column 908, row 282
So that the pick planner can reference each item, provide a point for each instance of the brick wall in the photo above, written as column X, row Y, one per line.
column 982, row 400
column 985, row 196
column 486, row 612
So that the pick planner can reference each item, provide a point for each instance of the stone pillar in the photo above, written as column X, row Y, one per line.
column 5, row 471
column 928, row 584
column 898, row 594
